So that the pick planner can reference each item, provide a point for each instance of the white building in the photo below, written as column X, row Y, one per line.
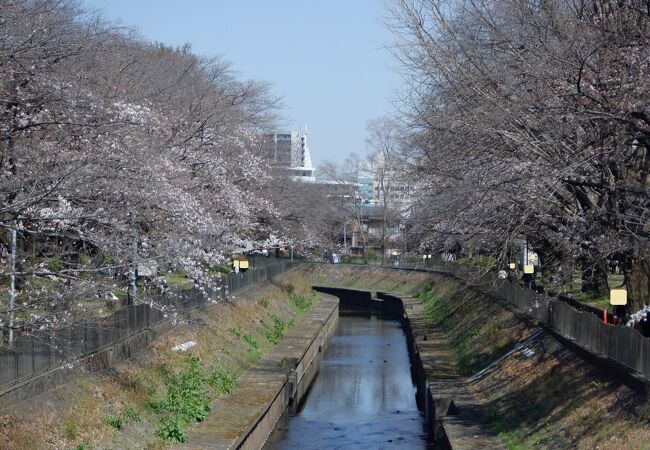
column 290, row 151
column 390, row 181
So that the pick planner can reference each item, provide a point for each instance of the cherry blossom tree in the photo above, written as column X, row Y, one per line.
column 530, row 121
column 115, row 151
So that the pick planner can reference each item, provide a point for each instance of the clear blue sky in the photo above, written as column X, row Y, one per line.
column 325, row 58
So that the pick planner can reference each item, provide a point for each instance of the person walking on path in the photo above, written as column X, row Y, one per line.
column 529, row 280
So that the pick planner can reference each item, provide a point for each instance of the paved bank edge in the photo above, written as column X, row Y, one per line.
column 245, row 418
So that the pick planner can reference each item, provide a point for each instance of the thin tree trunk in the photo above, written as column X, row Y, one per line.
column 594, row 279
column 637, row 281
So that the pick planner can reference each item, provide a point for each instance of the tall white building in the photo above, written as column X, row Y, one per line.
column 289, row 151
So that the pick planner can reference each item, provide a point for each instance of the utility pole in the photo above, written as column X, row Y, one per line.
column 345, row 239
column 525, row 255
column 133, row 272
column 12, row 287
column 133, row 286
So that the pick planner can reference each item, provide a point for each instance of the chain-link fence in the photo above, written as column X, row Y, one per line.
column 42, row 350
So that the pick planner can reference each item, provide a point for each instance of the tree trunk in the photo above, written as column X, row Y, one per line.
column 637, row 281
column 383, row 241
column 594, row 279
column 557, row 265
column 363, row 241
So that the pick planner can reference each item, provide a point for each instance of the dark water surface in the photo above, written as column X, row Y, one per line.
column 363, row 397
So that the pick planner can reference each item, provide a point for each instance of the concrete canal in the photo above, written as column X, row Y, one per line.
column 364, row 396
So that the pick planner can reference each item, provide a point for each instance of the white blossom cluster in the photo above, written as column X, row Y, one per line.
column 638, row 316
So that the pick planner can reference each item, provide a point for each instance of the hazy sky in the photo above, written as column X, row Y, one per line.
column 325, row 58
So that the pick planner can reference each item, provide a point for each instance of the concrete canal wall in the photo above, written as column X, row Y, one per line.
column 454, row 417
column 395, row 306
column 279, row 382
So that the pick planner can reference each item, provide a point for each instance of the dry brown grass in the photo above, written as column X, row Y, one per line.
column 69, row 424
column 555, row 400
column 373, row 279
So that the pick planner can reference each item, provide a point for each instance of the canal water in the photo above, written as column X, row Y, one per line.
column 363, row 397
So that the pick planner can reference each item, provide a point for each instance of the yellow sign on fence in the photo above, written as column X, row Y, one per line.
column 529, row 268
column 512, row 265
column 618, row 297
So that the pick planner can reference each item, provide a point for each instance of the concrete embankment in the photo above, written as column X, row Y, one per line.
column 536, row 391
column 454, row 413
column 245, row 419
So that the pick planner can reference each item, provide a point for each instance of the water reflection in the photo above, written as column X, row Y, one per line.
column 364, row 397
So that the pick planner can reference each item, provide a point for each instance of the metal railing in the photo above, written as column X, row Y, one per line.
column 43, row 350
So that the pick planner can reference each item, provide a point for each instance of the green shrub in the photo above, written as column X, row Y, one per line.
column 276, row 332
column 223, row 379
column 154, row 405
column 252, row 342
column 264, row 303
column 114, row 421
column 82, row 447
column 222, row 268
column 131, row 413
column 55, row 265
column 301, row 302
column 70, row 429
column 172, row 429
column 186, row 402
column 186, row 395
